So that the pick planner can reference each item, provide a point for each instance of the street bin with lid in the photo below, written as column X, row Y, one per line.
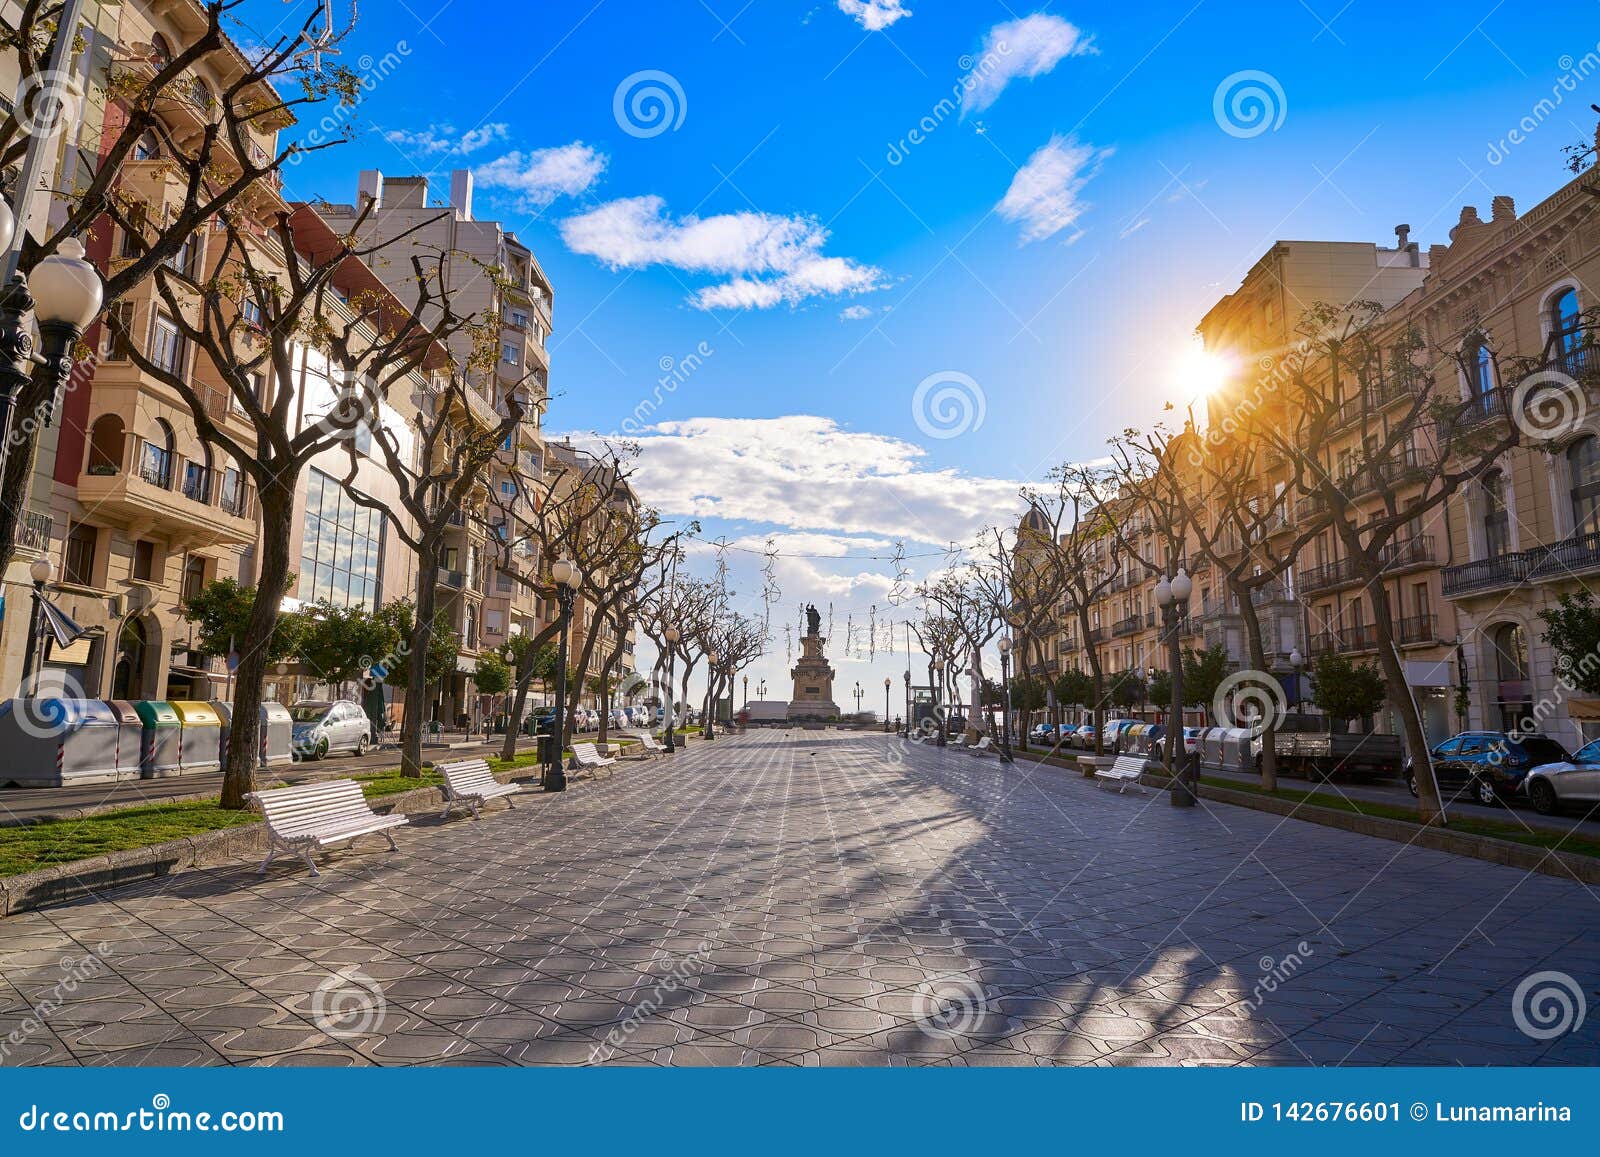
column 130, row 738
column 161, row 741
column 200, row 726
column 57, row 742
column 277, row 735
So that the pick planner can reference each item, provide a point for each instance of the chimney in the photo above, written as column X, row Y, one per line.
column 1402, row 236
column 370, row 188
column 461, row 193
column 1469, row 216
column 1503, row 209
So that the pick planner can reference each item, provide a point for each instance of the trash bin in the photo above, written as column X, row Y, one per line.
column 547, row 749
column 224, row 711
column 161, row 740
column 277, row 735
column 1236, row 755
column 130, row 738
column 200, row 726
column 58, row 742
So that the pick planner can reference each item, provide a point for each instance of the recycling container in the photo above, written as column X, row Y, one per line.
column 130, row 738
column 224, row 711
column 1236, row 743
column 57, row 742
column 1211, row 746
column 161, row 741
column 277, row 735
column 199, row 727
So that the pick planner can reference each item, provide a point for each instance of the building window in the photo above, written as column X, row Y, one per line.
column 1512, row 695
column 155, row 461
column 144, row 560
column 1583, row 465
column 250, row 311
column 342, row 555
column 194, row 577
column 519, row 319
column 166, row 345
column 114, row 333
column 1566, row 329
column 1496, row 519
column 78, row 556
column 511, row 354
column 1480, row 373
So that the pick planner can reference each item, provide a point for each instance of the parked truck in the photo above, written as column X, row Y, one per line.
column 1308, row 748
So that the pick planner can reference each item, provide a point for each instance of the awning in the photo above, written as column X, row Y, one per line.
column 1586, row 709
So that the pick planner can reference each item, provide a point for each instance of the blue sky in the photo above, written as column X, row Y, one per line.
column 1045, row 252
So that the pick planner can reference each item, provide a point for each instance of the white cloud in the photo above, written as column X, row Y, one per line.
column 874, row 15
column 443, row 138
column 809, row 475
column 769, row 259
column 1028, row 47
column 854, row 313
column 1044, row 195
column 540, row 176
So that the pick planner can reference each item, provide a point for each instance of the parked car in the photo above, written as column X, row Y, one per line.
column 1550, row 786
column 1491, row 765
column 1112, row 732
column 321, row 728
column 1043, row 732
column 1082, row 736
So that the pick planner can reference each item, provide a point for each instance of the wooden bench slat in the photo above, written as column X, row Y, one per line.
column 314, row 815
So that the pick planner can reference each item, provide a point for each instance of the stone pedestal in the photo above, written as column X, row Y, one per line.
column 813, row 683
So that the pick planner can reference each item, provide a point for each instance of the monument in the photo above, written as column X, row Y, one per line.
column 813, row 678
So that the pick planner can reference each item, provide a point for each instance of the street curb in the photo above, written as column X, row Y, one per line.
column 1564, row 865
column 88, row 878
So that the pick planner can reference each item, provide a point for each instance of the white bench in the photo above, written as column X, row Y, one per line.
column 983, row 747
column 1126, row 770
column 588, row 758
column 309, row 817
column 648, row 744
column 470, row 783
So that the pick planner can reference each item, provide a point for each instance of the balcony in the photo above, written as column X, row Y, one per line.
column 151, row 487
column 33, row 533
column 1127, row 626
column 1096, row 635
column 453, row 579
column 1373, row 401
column 1568, row 558
column 1415, row 629
column 1403, row 554
column 1346, row 640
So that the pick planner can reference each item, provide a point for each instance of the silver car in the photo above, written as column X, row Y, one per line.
column 1574, row 781
column 321, row 728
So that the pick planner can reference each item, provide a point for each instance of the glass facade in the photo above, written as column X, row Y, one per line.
column 341, row 559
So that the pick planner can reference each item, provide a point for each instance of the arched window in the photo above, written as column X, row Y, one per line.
column 146, row 148
column 127, row 682
column 1496, row 518
column 106, row 445
column 1480, row 373
column 155, row 462
column 1583, row 468
column 1512, row 694
column 197, row 476
column 160, row 50
column 1566, row 329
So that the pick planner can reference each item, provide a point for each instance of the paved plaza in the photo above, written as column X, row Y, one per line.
column 817, row 898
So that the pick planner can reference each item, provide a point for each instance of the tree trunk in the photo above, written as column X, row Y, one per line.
column 417, row 660
column 1258, row 660
column 1429, row 804
column 244, row 735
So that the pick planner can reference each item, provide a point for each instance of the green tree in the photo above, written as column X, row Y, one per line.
column 531, row 660
column 1127, row 689
column 442, row 642
column 1203, row 673
column 1347, row 690
column 1161, row 689
column 340, row 643
column 493, row 676
column 1572, row 628
column 1074, row 687
column 222, row 611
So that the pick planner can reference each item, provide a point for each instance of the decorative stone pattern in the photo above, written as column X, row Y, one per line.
column 818, row 898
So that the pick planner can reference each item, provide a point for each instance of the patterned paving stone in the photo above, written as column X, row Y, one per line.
column 815, row 899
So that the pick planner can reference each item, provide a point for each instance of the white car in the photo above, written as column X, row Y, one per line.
column 1550, row 786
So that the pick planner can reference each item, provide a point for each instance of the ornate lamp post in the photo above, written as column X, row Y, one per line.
column 858, row 694
column 887, row 683
column 937, row 666
column 1297, row 661
column 747, row 690
column 907, row 678
column 1005, row 706
column 671, row 637
column 63, row 295
column 761, row 691
column 711, row 691
column 566, row 578
column 1173, row 596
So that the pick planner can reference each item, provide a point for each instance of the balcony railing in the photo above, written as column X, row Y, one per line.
column 33, row 532
column 453, row 579
column 1415, row 550
column 1567, row 558
column 1096, row 635
column 1415, row 629
column 1126, row 626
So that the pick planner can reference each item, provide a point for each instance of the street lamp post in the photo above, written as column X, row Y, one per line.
column 887, row 683
column 711, row 695
column 41, row 572
column 670, row 635
column 1173, row 596
column 1297, row 661
column 747, row 691
column 858, row 694
column 63, row 295
column 1005, row 707
column 907, row 678
column 937, row 667
column 566, row 578
column 761, row 691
